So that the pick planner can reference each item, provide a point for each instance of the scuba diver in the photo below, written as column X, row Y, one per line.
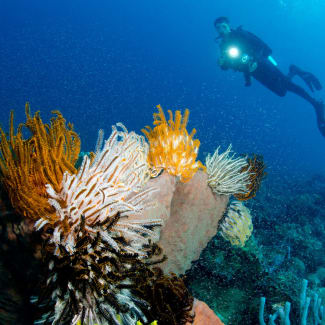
column 243, row 51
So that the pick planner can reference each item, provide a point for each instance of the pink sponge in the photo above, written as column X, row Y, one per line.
column 191, row 214
column 204, row 315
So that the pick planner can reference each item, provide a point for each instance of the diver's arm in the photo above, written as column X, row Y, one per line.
column 223, row 62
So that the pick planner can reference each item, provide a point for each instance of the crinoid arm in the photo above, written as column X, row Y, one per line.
column 110, row 185
column 27, row 165
column 237, row 225
column 256, row 168
column 171, row 147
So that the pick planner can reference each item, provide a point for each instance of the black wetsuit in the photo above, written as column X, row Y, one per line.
column 255, row 51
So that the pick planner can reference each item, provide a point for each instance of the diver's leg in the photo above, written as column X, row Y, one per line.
column 311, row 81
column 300, row 92
column 293, row 69
column 318, row 105
column 319, row 109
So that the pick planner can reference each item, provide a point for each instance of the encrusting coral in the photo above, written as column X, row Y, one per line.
column 109, row 185
column 171, row 147
column 237, row 226
column 225, row 173
column 256, row 168
column 27, row 165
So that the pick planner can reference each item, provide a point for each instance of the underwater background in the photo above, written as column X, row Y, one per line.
column 106, row 61
column 102, row 62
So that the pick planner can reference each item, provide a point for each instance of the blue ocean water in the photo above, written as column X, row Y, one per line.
column 102, row 62
column 106, row 61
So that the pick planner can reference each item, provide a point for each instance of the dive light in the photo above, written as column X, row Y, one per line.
column 233, row 52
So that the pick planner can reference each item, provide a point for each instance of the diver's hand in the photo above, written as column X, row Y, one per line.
column 221, row 60
column 252, row 66
column 248, row 79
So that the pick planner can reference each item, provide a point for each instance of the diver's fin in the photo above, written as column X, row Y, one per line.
column 316, row 83
column 311, row 81
column 293, row 71
column 319, row 110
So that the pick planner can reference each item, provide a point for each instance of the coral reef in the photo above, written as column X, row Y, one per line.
column 317, row 316
column 287, row 245
column 112, row 231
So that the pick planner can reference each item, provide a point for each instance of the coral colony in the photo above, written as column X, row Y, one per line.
column 99, row 241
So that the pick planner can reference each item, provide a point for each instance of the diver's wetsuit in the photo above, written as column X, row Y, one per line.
column 256, row 64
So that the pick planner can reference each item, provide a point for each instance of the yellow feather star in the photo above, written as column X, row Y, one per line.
column 171, row 147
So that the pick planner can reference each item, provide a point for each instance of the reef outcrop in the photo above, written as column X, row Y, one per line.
column 114, row 234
